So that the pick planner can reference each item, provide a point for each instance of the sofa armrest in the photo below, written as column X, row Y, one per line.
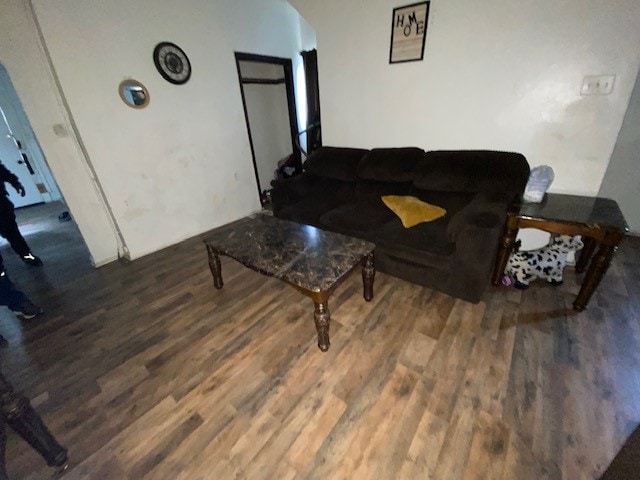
column 477, row 216
column 476, row 232
column 473, row 261
column 288, row 191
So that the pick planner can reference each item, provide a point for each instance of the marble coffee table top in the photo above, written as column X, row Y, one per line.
column 305, row 256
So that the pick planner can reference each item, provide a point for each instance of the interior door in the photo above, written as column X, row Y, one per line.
column 15, row 159
column 268, row 99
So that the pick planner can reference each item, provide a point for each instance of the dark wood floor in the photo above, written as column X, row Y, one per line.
column 143, row 370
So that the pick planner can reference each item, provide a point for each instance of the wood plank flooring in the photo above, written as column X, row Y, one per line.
column 143, row 370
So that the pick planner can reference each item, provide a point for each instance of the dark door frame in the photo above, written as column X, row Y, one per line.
column 293, row 116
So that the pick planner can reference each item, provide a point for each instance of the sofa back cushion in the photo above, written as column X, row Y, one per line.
column 390, row 164
column 372, row 192
column 335, row 162
column 330, row 187
column 452, row 202
column 472, row 171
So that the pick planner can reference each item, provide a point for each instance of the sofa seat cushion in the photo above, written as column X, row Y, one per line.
column 425, row 244
column 358, row 219
column 372, row 192
column 310, row 209
column 335, row 162
column 412, row 211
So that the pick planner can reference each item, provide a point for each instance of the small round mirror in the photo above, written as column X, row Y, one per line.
column 134, row 93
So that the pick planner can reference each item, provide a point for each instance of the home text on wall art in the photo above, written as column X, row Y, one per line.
column 408, row 32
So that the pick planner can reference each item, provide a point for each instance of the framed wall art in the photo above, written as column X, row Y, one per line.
column 408, row 32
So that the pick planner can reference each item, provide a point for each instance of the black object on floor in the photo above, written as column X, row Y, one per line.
column 626, row 464
column 64, row 216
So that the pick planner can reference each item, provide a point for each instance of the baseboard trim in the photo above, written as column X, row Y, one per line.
column 103, row 261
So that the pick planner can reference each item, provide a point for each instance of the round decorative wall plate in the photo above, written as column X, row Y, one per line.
column 172, row 63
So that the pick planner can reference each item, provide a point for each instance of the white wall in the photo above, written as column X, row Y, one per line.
column 268, row 112
column 182, row 165
column 270, row 131
column 308, row 39
column 22, row 54
column 269, row 119
column 504, row 74
column 622, row 179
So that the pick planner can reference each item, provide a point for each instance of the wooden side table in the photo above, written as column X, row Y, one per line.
column 598, row 220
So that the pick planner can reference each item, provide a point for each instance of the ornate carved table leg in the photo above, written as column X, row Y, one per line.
column 214, row 265
column 322, row 317
column 368, row 276
column 589, row 247
column 24, row 420
column 597, row 269
column 504, row 250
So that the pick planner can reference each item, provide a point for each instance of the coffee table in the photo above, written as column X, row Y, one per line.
column 311, row 260
column 598, row 220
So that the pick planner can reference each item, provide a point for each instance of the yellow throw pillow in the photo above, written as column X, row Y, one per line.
column 413, row 211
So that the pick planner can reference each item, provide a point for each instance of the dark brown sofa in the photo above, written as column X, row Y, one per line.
column 340, row 191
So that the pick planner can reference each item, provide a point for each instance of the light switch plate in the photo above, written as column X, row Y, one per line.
column 597, row 84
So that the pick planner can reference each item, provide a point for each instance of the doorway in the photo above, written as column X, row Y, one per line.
column 41, row 215
column 266, row 86
column 20, row 151
column 14, row 157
